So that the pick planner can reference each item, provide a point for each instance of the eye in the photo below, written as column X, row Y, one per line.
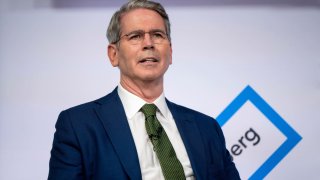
column 134, row 36
column 159, row 35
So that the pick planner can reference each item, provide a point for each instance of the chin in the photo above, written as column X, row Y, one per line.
column 147, row 78
column 152, row 75
column 150, row 78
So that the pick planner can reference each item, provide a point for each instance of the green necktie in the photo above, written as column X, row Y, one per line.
column 170, row 165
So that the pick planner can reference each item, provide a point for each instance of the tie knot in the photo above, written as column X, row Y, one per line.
column 149, row 110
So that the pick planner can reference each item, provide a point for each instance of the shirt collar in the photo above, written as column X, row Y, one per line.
column 133, row 103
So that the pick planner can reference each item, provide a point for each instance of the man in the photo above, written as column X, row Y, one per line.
column 134, row 132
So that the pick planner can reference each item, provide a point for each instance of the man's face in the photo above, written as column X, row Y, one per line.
column 145, row 61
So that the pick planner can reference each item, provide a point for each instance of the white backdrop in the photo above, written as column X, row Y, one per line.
column 53, row 59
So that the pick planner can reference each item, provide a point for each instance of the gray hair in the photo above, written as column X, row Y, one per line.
column 114, row 29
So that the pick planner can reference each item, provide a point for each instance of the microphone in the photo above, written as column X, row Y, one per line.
column 156, row 136
column 159, row 130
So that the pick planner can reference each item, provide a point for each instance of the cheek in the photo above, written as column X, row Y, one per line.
column 168, row 55
column 125, row 60
column 124, row 64
column 169, row 58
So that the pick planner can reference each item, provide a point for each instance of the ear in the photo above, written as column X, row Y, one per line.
column 170, row 62
column 113, row 55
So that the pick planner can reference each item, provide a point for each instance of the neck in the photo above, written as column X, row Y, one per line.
column 148, row 91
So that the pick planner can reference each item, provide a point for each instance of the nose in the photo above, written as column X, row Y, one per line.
column 147, row 41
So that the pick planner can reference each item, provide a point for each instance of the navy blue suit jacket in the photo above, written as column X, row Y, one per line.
column 94, row 141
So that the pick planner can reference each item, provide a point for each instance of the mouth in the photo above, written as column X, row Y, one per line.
column 149, row 60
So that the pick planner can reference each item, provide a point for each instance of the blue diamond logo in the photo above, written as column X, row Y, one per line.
column 248, row 94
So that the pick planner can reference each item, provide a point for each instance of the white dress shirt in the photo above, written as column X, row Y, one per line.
column 149, row 163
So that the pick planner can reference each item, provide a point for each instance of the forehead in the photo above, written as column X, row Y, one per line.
column 141, row 19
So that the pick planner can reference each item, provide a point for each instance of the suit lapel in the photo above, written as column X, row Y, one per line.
column 191, row 138
column 115, row 122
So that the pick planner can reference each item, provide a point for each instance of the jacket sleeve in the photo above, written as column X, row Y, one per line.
column 65, row 161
